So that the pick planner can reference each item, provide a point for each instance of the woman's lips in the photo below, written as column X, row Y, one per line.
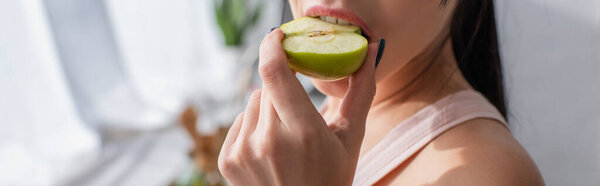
column 343, row 14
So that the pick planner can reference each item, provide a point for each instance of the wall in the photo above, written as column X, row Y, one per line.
column 550, row 51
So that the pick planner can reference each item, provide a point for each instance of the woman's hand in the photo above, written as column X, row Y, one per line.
column 281, row 139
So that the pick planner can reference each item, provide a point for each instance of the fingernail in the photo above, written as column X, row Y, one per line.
column 379, row 52
column 271, row 30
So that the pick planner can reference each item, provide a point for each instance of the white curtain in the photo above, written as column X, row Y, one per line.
column 76, row 73
column 41, row 134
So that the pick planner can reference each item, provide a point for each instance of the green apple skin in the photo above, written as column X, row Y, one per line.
column 327, row 67
column 329, row 60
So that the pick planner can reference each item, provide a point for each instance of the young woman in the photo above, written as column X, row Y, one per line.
column 430, row 112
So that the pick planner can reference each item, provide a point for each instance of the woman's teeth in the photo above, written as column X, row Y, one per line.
column 334, row 20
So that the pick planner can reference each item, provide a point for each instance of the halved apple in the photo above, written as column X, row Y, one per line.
column 323, row 50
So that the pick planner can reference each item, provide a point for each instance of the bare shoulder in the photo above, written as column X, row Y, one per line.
column 477, row 152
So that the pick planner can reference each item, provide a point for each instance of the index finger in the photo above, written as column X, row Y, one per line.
column 292, row 104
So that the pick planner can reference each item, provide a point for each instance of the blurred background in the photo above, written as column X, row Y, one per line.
column 139, row 92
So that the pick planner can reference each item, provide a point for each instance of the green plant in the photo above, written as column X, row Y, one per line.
column 234, row 18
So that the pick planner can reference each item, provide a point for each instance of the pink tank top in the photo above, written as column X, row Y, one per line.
column 418, row 130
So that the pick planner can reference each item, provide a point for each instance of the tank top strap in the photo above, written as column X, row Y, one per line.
column 414, row 133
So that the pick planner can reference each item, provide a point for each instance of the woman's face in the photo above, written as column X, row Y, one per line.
column 409, row 26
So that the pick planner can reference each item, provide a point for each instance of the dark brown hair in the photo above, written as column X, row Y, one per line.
column 475, row 44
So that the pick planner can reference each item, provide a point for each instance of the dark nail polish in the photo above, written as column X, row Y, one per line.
column 380, row 52
column 272, row 30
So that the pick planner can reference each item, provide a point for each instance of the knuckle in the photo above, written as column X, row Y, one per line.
column 239, row 118
column 231, row 161
column 265, row 152
column 270, row 148
column 272, row 132
column 267, row 146
column 223, row 167
column 269, row 69
column 307, row 138
column 255, row 96
column 226, row 164
column 342, row 122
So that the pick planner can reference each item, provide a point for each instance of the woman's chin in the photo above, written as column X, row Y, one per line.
column 335, row 89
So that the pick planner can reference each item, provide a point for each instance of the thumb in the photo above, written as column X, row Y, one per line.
column 361, row 88
column 359, row 96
